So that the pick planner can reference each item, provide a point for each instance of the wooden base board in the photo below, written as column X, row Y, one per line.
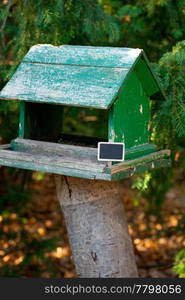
column 75, row 161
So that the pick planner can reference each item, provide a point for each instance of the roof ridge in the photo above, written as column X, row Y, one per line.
column 72, row 64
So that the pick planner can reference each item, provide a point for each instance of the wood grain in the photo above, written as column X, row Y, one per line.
column 66, row 85
column 73, row 75
column 55, row 149
column 97, row 228
column 110, row 57
column 75, row 161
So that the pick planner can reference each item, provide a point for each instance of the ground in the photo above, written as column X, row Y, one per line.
column 155, row 240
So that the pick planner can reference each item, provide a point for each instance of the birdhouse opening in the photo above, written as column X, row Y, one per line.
column 63, row 124
column 84, row 126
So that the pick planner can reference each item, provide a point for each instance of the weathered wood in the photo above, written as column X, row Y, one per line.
column 5, row 146
column 75, row 160
column 73, row 151
column 140, row 150
column 138, row 161
column 22, row 119
column 35, row 165
column 104, row 78
column 51, row 168
column 140, row 168
column 65, row 84
column 73, row 75
column 144, row 74
column 83, row 55
column 56, row 160
column 88, row 154
column 97, row 228
column 131, row 114
column 161, row 94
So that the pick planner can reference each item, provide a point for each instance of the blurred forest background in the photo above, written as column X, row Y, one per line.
column 33, row 239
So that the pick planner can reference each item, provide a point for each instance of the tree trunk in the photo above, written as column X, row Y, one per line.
column 97, row 227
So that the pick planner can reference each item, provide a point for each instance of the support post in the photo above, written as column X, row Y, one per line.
column 97, row 227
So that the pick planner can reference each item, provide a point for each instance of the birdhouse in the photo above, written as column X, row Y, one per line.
column 74, row 98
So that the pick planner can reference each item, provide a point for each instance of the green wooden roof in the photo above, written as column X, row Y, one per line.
column 71, row 75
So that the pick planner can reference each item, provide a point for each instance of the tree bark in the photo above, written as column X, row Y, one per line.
column 97, row 227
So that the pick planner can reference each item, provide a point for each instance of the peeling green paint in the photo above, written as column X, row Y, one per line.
column 118, row 80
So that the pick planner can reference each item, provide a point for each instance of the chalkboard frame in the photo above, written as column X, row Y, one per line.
column 110, row 143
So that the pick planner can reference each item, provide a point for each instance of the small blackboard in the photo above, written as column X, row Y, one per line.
column 108, row 151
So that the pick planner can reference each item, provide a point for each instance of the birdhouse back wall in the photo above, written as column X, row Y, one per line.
column 47, row 122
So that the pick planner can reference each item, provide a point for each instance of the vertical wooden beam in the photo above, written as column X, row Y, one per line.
column 97, row 227
column 111, row 133
column 22, row 119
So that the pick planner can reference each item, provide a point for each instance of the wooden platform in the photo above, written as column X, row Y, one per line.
column 75, row 161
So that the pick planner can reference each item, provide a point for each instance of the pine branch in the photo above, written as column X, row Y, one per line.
column 10, row 3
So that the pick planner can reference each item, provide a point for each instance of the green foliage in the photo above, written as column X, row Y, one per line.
column 141, row 182
column 35, row 261
column 179, row 266
column 26, row 23
column 171, row 114
column 8, row 120
column 15, row 200
column 153, row 186
column 57, row 22
column 154, row 25
column 168, row 127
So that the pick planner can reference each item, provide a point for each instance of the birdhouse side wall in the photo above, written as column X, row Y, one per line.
column 145, row 76
column 130, row 114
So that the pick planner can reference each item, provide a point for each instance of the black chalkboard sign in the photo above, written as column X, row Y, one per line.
column 108, row 151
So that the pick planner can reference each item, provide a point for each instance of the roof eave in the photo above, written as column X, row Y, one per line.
column 160, row 93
